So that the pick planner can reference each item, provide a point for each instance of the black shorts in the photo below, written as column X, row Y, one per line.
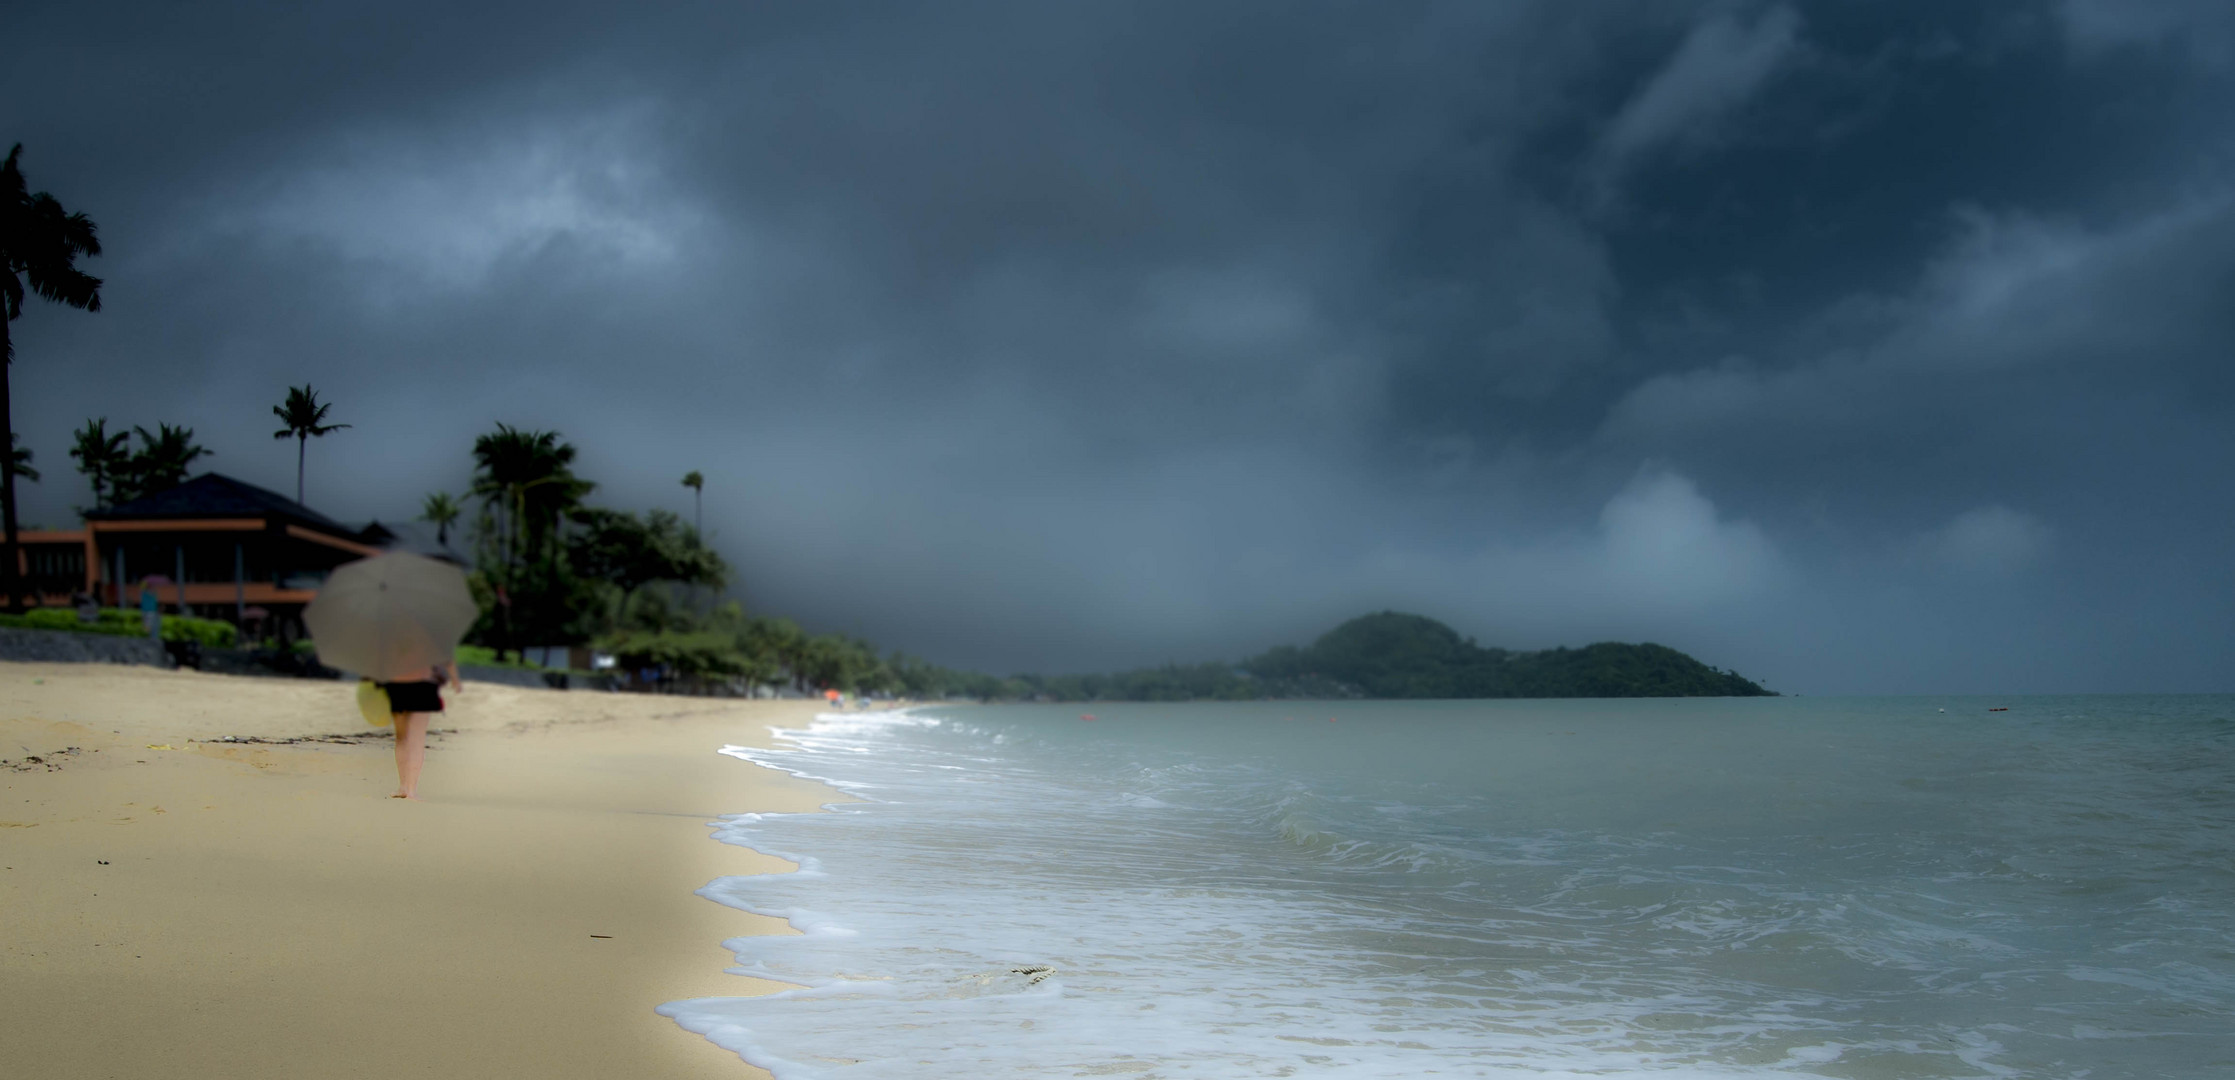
column 413, row 696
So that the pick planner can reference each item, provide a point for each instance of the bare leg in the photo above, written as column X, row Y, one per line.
column 411, row 751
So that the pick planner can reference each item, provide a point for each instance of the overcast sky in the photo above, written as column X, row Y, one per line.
column 1873, row 346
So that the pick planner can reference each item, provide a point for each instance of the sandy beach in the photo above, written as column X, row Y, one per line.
column 172, row 905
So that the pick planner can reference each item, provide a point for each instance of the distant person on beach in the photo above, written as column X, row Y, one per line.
column 411, row 703
column 149, row 615
column 89, row 609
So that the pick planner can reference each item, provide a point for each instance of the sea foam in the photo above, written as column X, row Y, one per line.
column 1714, row 889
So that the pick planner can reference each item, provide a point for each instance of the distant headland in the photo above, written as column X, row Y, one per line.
column 1392, row 655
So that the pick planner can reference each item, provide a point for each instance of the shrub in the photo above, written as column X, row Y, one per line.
column 484, row 656
column 209, row 632
column 123, row 623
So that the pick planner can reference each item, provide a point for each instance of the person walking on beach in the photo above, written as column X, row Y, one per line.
column 396, row 618
column 411, row 703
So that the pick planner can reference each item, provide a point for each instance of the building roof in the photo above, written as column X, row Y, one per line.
column 213, row 495
column 416, row 537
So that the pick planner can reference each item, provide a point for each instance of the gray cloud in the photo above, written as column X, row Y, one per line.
column 2202, row 28
column 1723, row 61
column 1034, row 337
column 1991, row 539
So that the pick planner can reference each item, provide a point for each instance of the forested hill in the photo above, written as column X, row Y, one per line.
column 1394, row 655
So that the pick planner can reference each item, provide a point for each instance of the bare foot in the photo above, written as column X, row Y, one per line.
column 402, row 795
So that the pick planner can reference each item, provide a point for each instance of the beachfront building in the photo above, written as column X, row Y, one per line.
column 222, row 549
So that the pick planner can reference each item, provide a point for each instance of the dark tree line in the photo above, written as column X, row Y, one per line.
column 1394, row 655
column 120, row 473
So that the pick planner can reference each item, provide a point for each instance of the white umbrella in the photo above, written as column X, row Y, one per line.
column 392, row 617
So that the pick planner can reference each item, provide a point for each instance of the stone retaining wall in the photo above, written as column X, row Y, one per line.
column 71, row 647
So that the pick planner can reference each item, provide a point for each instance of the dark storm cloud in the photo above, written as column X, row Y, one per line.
column 1858, row 345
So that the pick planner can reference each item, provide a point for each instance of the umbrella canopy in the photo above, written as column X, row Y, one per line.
column 392, row 617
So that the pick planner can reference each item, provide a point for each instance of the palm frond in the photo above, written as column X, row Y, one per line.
column 302, row 414
column 19, row 459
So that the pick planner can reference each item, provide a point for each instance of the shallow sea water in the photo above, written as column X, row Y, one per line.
column 1703, row 887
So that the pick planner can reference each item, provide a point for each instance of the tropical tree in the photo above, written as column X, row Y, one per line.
column 442, row 511
column 161, row 463
column 697, row 484
column 100, row 457
column 777, row 641
column 631, row 552
column 19, row 460
column 302, row 414
column 39, row 243
column 527, row 478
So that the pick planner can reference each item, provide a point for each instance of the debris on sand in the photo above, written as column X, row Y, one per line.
column 34, row 762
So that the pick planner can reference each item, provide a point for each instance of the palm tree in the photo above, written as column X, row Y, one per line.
column 101, row 456
column 40, row 241
column 442, row 510
column 19, row 460
column 161, row 463
column 526, row 476
column 697, row 484
column 302, row 414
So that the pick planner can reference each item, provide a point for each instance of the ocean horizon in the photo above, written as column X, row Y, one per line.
column 1713, row 887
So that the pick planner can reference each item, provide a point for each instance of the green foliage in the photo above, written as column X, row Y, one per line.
column 527, row 477
column 1389, row 655
column 209, row 632
column 632, row 552
column 161, row 463
column 303, row 416
column 441, row 511
column 526, row 483
column 551, row 603
column 1172, row 682
column 122, row 623
column 120, row 474
column 41, row 241
column 1393, row 655
column 19, row 459
column 704, row 654
column 779, row 642
column 483, row 656
column 101, row 456
column 1400, row 656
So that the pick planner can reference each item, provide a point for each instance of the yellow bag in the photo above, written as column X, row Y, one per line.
column 372, row 700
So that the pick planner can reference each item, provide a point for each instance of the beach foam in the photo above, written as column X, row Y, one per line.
column 1497, row 889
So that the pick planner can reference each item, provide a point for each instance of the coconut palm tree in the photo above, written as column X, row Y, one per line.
column 19, row 460
column 161, row 462
column 101, row 457
column 442, row 511
column 527, row 477
column 40, row 241
column 697, row 484
column 302, row 414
